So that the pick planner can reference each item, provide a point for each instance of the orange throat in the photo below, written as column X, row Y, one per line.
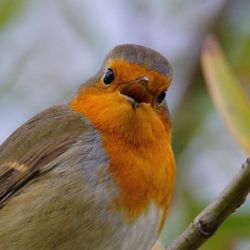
column 138, row 145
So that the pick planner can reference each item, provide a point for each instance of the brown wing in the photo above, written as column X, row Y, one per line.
column 40, row 140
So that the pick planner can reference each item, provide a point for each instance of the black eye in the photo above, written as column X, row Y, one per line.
column 161, row 97
column 108, row 76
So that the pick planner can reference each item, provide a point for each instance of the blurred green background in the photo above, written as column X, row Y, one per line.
column 49, row 47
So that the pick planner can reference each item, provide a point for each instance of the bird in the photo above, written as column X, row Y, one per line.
column 96, row 172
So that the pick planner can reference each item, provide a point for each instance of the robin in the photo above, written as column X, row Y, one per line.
column 98, row 171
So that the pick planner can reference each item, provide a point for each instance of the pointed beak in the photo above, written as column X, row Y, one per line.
column 137, row 91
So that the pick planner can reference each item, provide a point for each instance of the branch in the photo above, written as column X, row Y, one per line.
column 210, row 219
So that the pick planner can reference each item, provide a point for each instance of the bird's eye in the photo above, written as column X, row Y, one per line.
column 108, row 76
column 161, row 97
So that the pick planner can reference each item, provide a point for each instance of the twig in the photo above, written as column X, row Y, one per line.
column 210, row 219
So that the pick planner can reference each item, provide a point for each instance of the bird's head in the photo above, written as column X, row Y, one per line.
column 128, row 91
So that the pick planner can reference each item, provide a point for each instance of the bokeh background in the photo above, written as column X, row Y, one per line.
column 49, row 47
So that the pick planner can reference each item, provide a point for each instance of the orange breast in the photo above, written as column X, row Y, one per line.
column 138, row 146
column 144, row 175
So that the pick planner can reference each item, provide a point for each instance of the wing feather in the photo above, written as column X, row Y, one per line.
column 36, row 143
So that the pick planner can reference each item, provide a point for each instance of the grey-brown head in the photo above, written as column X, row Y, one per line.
column 142, row 75
column 146, row 57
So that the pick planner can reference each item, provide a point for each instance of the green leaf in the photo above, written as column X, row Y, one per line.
column 9, row 9
column 226, row 92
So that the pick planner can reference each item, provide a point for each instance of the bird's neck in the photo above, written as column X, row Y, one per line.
column 138, row 146
column 113, row 115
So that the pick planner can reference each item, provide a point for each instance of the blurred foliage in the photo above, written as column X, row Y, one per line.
column 232, row 28
column 197, row 102
column 229, row 98
column 234, row 36
column 234, row 33
column 10, row 9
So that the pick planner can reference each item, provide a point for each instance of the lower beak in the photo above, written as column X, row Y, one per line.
column 137, row 91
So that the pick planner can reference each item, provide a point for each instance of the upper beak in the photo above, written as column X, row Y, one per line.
column 137, row 91
column 142, row 80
